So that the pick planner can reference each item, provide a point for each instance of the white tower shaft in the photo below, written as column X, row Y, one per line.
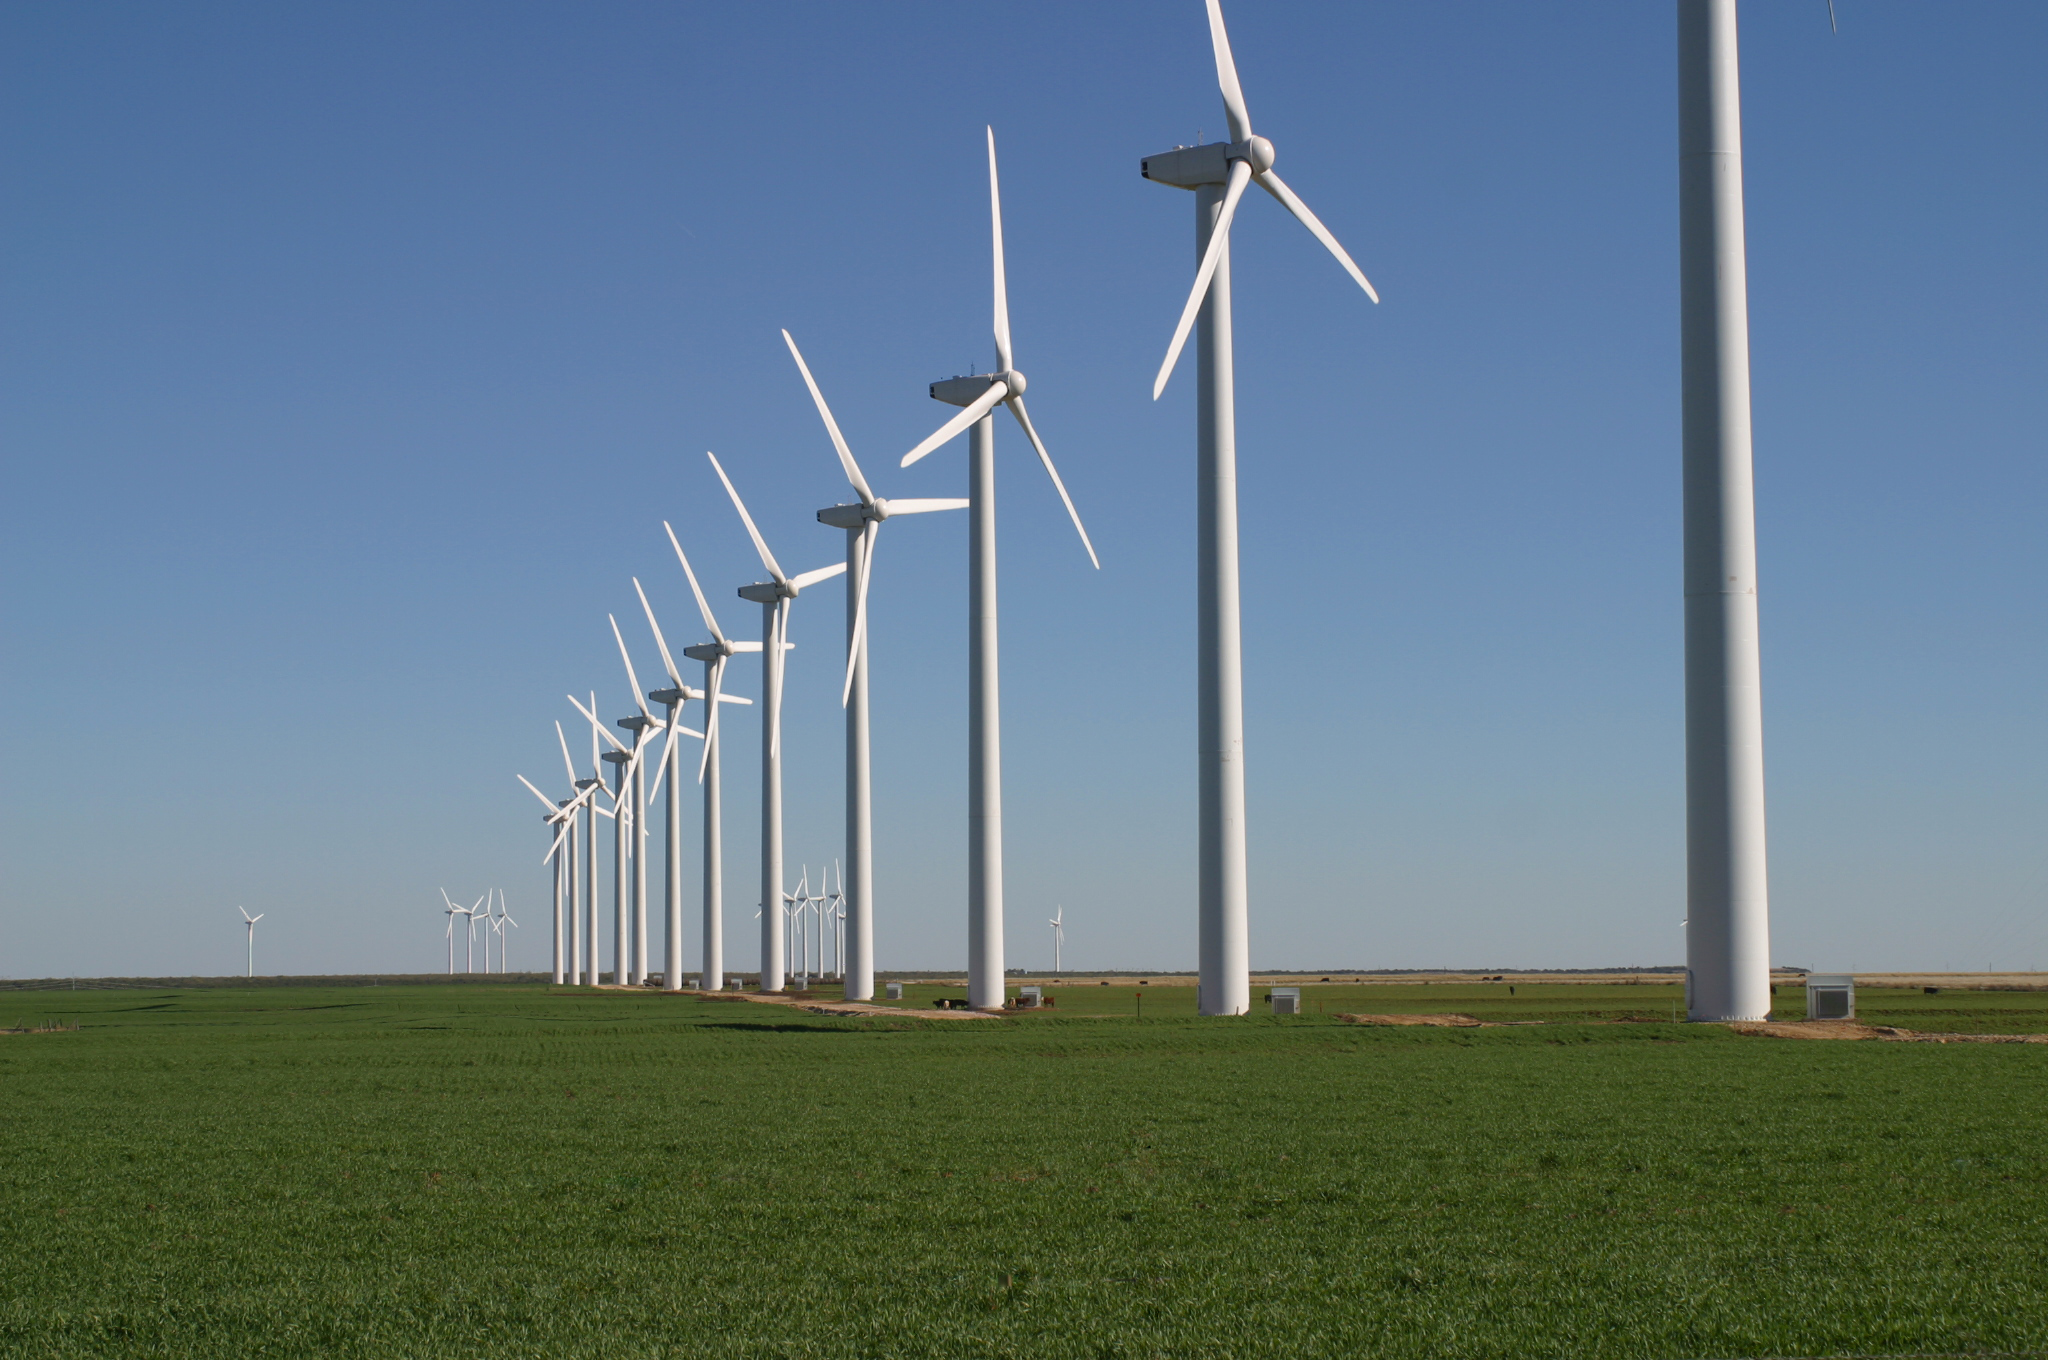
column 984, row 729
column 1223, row 896
column 639, row 845
column 672, row 877
column 771, row 807
column 714, row 857
column 1727, row 895
column 860, row 871
column 559, row 867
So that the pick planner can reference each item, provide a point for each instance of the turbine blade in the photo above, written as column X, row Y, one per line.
column 1219, row 240
column 781, row 653
column 811, row 578
column 711, row 723
column 870, row 536
column 668, row 662
column 1273, row 185
column 983, row 404
column 703, row 605
column 760, row 544
column 860, row 483
column 1002, row 289
column 545, row 801
column 1226, row 76
column 631, row 678
column 568, row 829
column 925, row 505
column 567, row 763
column 1016, row 405
column 597, row 727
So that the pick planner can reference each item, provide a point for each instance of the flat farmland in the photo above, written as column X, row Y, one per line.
column 515, row 1171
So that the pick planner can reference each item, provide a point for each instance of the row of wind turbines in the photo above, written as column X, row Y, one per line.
column 479, row 910
column 1727, row 939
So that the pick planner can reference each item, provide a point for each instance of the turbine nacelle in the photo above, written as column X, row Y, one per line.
column 768, row 592
column 1190, row 167
column 967, row 391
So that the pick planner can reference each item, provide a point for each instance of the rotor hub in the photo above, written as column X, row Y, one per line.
column 1258, row 152
column 1013, row 380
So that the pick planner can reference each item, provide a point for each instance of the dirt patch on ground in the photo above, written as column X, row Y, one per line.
column 1435, row 1021
column 839, row 1007
column 1850, row 1029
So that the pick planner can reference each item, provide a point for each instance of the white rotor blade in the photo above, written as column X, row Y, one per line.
column 860, row 483
column 983, row 404
column 567, row 763
column 1272, row 184
column 778, row 633
column 925, row 505
column 811, row 578
column 711, row 723
column 1016, row 405
column 995, row 217
column 760, row 544
column 1219, row 240
column 668, row 662
column 703, row 605
column 870, row 535
column 257, row 917
column 1226, row 76
column 597, row 726
column 546, row 801
column 631, row 678
column 568, row 829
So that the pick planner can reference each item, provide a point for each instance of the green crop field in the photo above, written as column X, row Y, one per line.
column 435, row 1171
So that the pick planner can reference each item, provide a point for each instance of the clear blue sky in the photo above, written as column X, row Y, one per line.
column 353, row 356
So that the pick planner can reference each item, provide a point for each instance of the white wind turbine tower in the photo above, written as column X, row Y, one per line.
column 862, row 522
column 776, row 597
column 452, row 912
column 1059, row 937
column 1727, row 934
column 672, row 699
column 469, row 944
column 980, row 395
column 714, row 654
column 1218, row 174
column 594, row 972
column 504, row 923
column 252, row 920
column 642, row 725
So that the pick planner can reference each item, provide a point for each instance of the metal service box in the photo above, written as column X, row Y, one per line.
column 893, row 990
column 1831, row 996
column 1286, row 1000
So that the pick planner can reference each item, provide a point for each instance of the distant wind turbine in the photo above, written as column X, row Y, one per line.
column 1059, row 935
column 252, row 920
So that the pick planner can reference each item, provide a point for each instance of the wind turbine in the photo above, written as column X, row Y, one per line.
column 1727, row 936
column 672, row 699
column 1059, row 937
column 862, row 522
column 776, row 597
column 505, row 922
column 1218, row 173
column 980, row 395
column 252, row 920
column 469, row 944
column 714, row 655
column 453, row 911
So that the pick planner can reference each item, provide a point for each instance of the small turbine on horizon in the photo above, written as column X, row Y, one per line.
column 252, row 920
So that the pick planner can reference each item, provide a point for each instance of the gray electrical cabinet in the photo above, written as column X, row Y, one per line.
column 1286, row 1000
column 1831, row 996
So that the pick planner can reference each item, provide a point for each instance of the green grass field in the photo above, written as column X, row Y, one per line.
column 476, row 1171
